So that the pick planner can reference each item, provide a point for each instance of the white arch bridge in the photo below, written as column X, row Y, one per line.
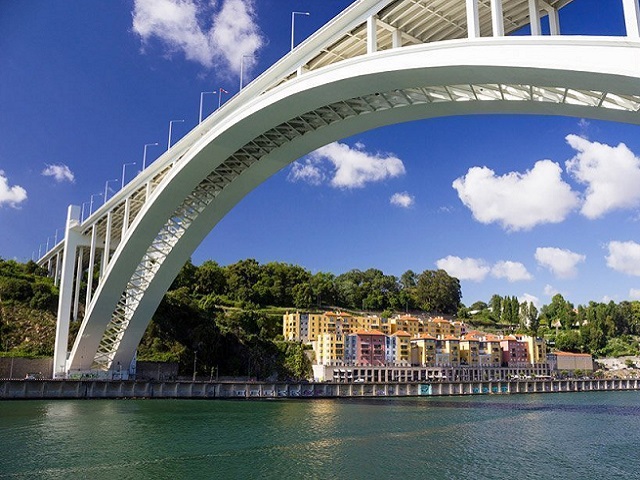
column 377, row 63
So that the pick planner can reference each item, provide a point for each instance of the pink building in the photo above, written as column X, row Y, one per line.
column 366, row 347
column 514, row 353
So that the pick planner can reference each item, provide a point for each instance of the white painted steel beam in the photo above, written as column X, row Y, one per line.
column 372, row 34
column 78, row 284
column 473, row 19
column 71, row 238
column 92, row 262
column 497, row 18
column 631, row 10
column 534, row 17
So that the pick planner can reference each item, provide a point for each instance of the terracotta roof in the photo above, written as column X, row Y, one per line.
column 571, row 354
column 337, row 314
column 466, row 338
column 426, row 337
column 451, row 337
column 440, row 320
column 402, row 333
column 369, row 332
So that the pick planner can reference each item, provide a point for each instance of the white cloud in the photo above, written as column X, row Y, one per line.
column 206, row 36
column 527, row 297
column 634, row 293
column 517, row 201
column 584, row 124
column 512, row 271
column 550, row 291
column 624, row 257
column 235, row 34
column 347, row 167
column 402, row 199
column 61, row 173
column 562, row 263
column 473, row 269
column 612, row 176
column 306, row 171
column 11, row 196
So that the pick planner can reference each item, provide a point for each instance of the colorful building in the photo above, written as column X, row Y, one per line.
column 515, row 354
column 365, row 347
column 398, row 348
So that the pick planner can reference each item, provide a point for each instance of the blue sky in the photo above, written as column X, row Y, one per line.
column 85, row 84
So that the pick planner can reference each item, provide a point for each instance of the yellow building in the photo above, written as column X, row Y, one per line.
column 407, row 323
column 439, row 327
column 537, row 349
column 423, row 351
column 329, row 349
column 306, row 327
column 399, row 348
column 470, row 352
column 490, row 348
column 452, row 348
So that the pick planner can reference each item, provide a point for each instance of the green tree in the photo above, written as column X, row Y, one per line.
column 210, row 279
column 438, row 292
column 302, row 295
column 496, row 306
column 242, row 276
column 186, row 278
column 568, row 341
column 324, row 290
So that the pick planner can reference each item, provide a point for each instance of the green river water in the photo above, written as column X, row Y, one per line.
column 542, row 436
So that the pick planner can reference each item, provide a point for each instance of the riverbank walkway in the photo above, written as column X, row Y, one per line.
column 100, row 389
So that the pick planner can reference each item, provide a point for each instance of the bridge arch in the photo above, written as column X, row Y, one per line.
column 255, row 137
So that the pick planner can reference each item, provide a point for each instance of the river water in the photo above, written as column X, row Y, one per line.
column 565, row 436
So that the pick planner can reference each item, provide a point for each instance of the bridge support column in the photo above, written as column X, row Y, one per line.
column 473, row 19
column 396, row 38
column 107, row 245
column 632, row 17
column 125, row 218
column 58, row 273
column 71, row 241
column 92, row 262
column 497, row 19
column 554, row 21
column 372, row 34
column 534, row 16
column 76, row 300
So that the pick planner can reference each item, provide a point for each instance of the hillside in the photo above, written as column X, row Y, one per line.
column 229, row 318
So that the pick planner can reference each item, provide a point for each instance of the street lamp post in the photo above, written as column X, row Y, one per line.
column 91, row 203
column 293, row 25
column 220, row 92
column 242, row 69
column 202, row 94
column 195, row 361
column 170, row 128
column 82, row 215
column 144, row 154
column 106, row 189
column 123, row 171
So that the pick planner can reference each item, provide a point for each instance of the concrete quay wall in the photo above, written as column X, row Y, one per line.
column 97, row 389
